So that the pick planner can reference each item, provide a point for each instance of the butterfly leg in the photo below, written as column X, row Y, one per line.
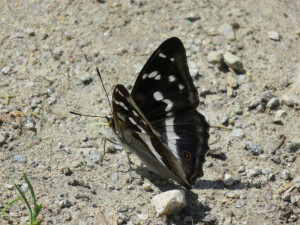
column 105, row 140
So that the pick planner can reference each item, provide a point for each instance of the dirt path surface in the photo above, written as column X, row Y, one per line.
column 48, row 54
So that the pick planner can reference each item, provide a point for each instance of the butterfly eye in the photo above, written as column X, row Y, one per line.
column 187, row 155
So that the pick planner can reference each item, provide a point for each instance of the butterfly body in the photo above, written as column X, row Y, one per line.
column 158, row 121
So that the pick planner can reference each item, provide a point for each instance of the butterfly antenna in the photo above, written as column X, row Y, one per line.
column 99, row 75
column 80, row 114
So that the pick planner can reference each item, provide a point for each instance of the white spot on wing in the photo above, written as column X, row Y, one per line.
column 172, row 59
column 171, row 135
column 181, row 86
column 132, row 120
column 142, row 130
column 169, row 114
column 135, row 113
column 172, row 78
column 162, row 55
column 152, row 74
column 158, row 77
column 158, row 96
column 144, row 76
column 169, row 104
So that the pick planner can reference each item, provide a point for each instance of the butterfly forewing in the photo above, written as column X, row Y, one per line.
column 160, row 121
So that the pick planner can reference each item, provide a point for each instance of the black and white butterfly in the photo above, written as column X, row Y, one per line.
column 158, row 121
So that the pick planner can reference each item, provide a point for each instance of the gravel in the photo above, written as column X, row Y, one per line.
column 49, row 54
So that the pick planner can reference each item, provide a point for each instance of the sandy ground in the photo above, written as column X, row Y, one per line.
column 48, row 54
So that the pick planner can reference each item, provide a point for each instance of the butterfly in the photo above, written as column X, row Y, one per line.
column 158, row 121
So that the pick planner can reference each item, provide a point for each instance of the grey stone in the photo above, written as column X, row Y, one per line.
column 279, row 116
column 254, row 103
column 254, row 148
column 58, row 52
column 142, row 216
column 9, row 186
column 297, row 183
column 266, row 171
column 228, row 180
column 273, row 35
column 30, row 126
column 285, row 174
column 51, row 100
column 237, row 133
column 252, row 173
column 24, row 187
column 216, row 58
column 237, row 109
column 227, row 31
column 3, row 137
column 241, row 169
column 233, row 62
column 37, row 100
column 5, row 70
column 273, row 103
column 20, row 158
column 276, row 159
column 266, row 96
column 293, row 146
column 30, row 32
column 194, row 72
column 86, row 79
column 224, row 119
column 240, row 203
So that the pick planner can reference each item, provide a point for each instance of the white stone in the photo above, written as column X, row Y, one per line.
column 273, row 35
column 169, row 202
column 228, row 180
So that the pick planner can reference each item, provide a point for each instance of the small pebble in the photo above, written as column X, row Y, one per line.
column 233, row 62
column 256, row 183
column 170, row 202
column 254, row 103
column 24, row 187
column 276, row 159
column 86, row 79
column 20, row 158
column 9, row 186
column 292, row 147
column 240, row 203
column 5, row 70
column 216, row 58
column 51, row 100
column 285, row 174
column 30, row 126
column 3, row 137
column 266, row 96
column 279, row 116
column 273, row 35
column 30, row 32
column 147, row 187
column 57, row 53
column 273, row 103
column 237, row 133
column 286, row 197
column 252, row 173
column 266, row 171
column 227, row 30
column 228, row 180
column 254, row 148
column 142, row 216
column 224, row 119
column 241, row 169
